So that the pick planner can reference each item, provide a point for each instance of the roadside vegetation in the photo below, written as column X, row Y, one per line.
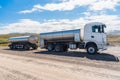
column 112, row 39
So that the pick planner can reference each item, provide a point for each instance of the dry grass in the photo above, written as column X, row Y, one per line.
column 114, row 39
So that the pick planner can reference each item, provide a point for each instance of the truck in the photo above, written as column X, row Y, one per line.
column 23, row 42
column 91, row 37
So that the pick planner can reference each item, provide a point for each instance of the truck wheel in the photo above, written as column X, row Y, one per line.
column 91, row 49
column 50, row 47
column 58, row 48
column 65, row 48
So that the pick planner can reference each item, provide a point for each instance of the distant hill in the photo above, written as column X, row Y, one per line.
column 114, row 32
column 22, row 33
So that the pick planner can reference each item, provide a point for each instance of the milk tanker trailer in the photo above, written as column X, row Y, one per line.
column 23, row 42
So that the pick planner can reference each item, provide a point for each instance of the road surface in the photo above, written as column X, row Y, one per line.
column 73, row 65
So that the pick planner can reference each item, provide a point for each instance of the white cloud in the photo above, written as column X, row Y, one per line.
column 35, row 8
column 104, row 4
column 92, row 5
column 64, row 5
column 31, row 26
column 27, row 25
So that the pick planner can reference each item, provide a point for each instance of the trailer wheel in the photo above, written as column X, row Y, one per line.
column 50, row 47
column 11, row 47
column 91, row 49
column 14, row 46
column 35, row 47
column 58, row 48
column 26, row 47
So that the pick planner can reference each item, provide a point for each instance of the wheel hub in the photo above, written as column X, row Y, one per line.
column 91, row 50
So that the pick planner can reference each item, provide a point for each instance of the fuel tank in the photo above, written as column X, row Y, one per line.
column 30, row 38
column 69, row 35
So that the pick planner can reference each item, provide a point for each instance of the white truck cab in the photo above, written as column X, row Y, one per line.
column 94, row 33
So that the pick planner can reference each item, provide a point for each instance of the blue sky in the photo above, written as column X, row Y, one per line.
column 36, row 16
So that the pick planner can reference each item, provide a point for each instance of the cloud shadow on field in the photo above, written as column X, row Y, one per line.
column 99, row 56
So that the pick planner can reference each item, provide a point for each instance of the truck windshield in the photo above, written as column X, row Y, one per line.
column 98, row 28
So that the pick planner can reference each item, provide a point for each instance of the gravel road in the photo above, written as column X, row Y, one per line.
column 72, row 65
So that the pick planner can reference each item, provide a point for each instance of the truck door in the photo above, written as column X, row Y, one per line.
column 97, row 35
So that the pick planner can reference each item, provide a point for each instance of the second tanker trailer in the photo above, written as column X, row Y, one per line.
column 23, row 42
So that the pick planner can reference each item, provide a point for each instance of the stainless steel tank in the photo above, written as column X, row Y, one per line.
column 72, row 35
column 31, row 39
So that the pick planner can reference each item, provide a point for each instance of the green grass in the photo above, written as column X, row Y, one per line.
column 4, row 38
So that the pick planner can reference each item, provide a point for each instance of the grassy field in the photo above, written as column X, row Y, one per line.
column 113, row 39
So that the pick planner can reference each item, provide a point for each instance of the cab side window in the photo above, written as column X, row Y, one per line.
column 96, row 28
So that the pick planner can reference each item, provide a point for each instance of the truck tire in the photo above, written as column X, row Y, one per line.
column 58, row 48
column 50, row 47
column 65, row 48
column 91, row 49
